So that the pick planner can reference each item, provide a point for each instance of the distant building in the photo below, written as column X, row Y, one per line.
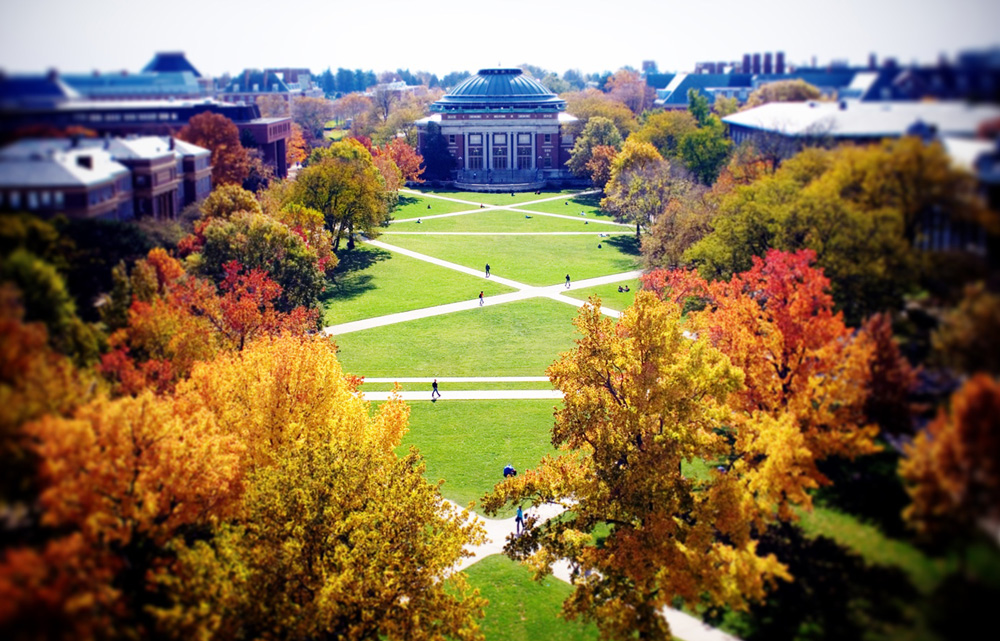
column 177, row 85
column 287, row 84
column 116, row 178
column 798, row 123
column 30, row 102
column 504, row 130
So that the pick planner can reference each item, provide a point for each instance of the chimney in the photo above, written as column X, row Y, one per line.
column 52, row 75
column 756, row 63
column 96, row 73
column 745, row 67
column 768, row 63
column 171, row 143
column 779, row 64
column 124, row 72
column 85, row 161
column 872, row 61
column 814, row 62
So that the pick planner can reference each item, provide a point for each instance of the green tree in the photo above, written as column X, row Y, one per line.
column 698, row 106
column 640, row 184
column 706, row 151
column 437, row 159
column 598, row 131
column 665, row 130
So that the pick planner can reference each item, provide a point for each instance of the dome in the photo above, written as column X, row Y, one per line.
column 499, row 89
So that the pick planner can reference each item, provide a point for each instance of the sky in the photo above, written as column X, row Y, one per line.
column 450, row 35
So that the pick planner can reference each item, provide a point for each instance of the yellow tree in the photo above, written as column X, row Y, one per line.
column 641, row 400
column 338, row 536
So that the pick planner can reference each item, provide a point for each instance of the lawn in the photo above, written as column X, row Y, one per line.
column 512, row 339
column 503, row 198
column 426, row 387
column 610, row 296
column 414, row 206
column 502, row 220
column 590, row 204
column 373, row 282
column 534, row 260
column 467, row 443
column 521, row 608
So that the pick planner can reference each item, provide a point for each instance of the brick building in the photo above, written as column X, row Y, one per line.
column 504, row 131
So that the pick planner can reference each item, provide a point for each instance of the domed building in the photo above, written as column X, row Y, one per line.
column 503, row 130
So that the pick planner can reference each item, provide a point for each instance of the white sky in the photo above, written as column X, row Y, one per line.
column 453, row 35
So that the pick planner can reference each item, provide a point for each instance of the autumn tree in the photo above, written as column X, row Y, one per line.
column 951, row 468
column 273, row 105
column 629, row 88
column 351, row 106
column 597, row 132
column 592, row 102
column 343, row 184
column 227, row 200
column 684, row 220
column 966, row 339
column 806, row 372
column 409, row 161
column 639, row 401
column 796, row 90
column 297, row 149
column 312, row 114
column 215, row 132
column 665, row 130
column 314, row 451
column 640, row 184
column 602, row 157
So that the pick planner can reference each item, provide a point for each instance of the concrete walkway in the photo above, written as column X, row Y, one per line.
column 682, row 625
column 471, row 395
column 503, row 233
column 462, row 379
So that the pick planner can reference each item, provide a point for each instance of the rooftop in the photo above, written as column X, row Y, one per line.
column 167, row 61
column 493, row 89
column 54, row 168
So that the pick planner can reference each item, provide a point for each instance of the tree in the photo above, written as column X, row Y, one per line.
column 406, row 158
column 273, row 105
column 951, row 468
column 345, row 81
column 438, row 160
column 230, row 163
column 343, row 184
column 640, row 399
column 806, row 373
column 698, row 106
column 227, row 200
column 598, row 131
column 640, row 184
column 591, row 102
column 630, row 88
column 665, row 130
column 351, row 106
column 312, row 114
column 602, row 157
column 297, row 149
column 314, row 453
column 706, row 150
column 328, row 83
column 684, row 220
column 966, row 338
column 796, row 90
column 724, row 106
column 384, row 99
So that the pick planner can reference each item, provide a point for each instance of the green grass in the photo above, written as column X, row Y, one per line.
column 467, row 443
column 444, row 387
column 503, row 198
column 534, row 260
column 513, row 339
column 521, row 608
column 414, row 206
column 589, row 204
column 335, row 134
column 373, row 282
column 500, row 220
column 610, row 296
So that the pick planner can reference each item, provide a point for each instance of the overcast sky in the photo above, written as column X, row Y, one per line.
column 451, row 35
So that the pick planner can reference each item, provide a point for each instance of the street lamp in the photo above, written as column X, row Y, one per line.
column 461, row 169
column 538, row 168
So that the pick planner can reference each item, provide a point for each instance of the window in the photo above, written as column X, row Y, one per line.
column 500, row 156
column 499, row 139
column 475, row 139
column 15, row 199
column 112, row 117
column 476, row 157
column 548, row 137
column 524, row 139
column 451, row 138
column 523, row 157
column 46, row 198
column 548, row 162
column 59, row 200
column 129, row 117
column 1, row 199
column 32, row 200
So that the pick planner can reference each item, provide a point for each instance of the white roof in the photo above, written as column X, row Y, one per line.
column 58, row 169
column 850, row 119
column 966, row 153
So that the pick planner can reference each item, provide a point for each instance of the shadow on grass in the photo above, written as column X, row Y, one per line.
column 405, row 200
column 626, row 244
column 348, row 282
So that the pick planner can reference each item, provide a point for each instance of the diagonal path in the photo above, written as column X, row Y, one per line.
column 471, row 395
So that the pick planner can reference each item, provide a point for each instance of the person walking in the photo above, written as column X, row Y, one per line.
column 487, row 270
column 519, row 521
column 480, row 299
column 434, row 392
column 567, row 281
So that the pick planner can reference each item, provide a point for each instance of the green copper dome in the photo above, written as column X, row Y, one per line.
column 492, row 89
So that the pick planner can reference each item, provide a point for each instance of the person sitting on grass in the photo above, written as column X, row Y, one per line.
column 509, row 470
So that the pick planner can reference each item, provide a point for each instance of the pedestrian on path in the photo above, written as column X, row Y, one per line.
column 434, row 392
column 519, row 521
column 487, row 270
column 567, row 281
column 480, row 299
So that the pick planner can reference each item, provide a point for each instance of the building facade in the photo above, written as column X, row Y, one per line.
column 503, row 131
column 113, row 178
